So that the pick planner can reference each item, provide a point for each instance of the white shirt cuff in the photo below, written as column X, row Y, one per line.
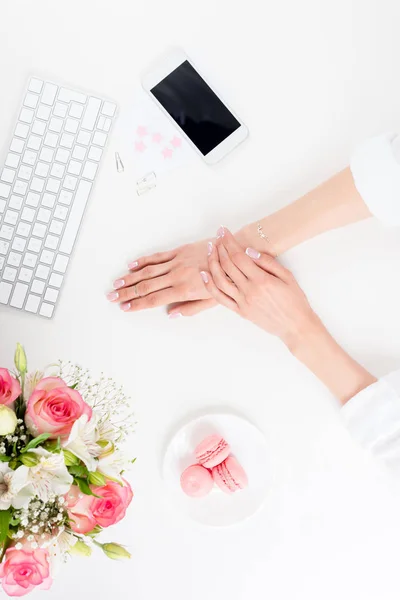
column 375, row 166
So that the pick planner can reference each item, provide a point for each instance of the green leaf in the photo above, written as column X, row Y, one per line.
column 84, row 487
column 15, row 522
column 5, row 518
column 73, row 387
column 53, row 446
column 4, row 458
column 78, row 470
column 95, row 531
column 36, row 442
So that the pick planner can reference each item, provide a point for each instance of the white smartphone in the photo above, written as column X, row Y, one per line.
column 210, row 127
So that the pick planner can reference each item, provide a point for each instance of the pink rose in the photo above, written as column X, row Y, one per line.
column 112, row 505
column 79, row 510
column 24, row 570
column 53, row 408
column 9, row 387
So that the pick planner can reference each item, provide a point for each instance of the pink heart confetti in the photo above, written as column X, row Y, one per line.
column 141, row 130
column 140, row 146
column 176, row 142
column 157, row 137
column 167, row 153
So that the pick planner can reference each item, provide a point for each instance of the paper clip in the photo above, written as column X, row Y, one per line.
column 119, row 164
column 146, row 183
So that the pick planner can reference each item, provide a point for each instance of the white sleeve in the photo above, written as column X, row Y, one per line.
column 373, row 418
column 375, row 166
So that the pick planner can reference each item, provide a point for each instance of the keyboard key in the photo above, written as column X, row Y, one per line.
column 18, row 244
column 67, row 95
column 60, row 109
column 63, row 155
column 43, row 112
column 25, row 275
column 37, row 286
column 83, row 138
column 26, row 115
column 51, row 295
column 76, row 110
column 4, row 246
column 99, row 138
column 74, row 167
column 104, row 124
column 56, row 125
column 91, row 112
column 51, row 242
column 2, row 260
column 14, row 259
column 47, row 154
column 11, row 217
column 30, row 260
column 67, row 140
column 90, row 170
column 70, row 182
column 34, row 142
column 42, row 169
column 18, row 297
column 25, row 172
column 6, row 232
column 34, row 244
column 22, row 130
column 95, row 153
column 47, row 257
column 17, row 145
column 12, row 160
column 71, row 125
column 29, row 157
column 48, row 200
column 32, row 303
column 37, row 184
column 3, row 205
column 20, row 187
column 35, row 85
column 56, row 280
column 109, row 109
column 53, row 185
column 57, row 170
column 32, row 199
column 38, row 127
column 4, row 190
column 61, row 263
column 28, row 214
column 39, row 230
column 15, row 202
column 44, row 215
column 49, row 94
column 56, row 227
column 65, row 197
column 23, row 229
column 79, row 152
column 60, row 212
column 8, row 175
column 9, row 274
column 46, row 310
column 51, row 140
column 5, row 291
column 75, row 216
column 42, row 272
column 31, row 100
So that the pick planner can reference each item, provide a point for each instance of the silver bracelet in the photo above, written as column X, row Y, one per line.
column 264, row 237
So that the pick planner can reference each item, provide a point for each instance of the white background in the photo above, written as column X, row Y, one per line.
column 310, row 78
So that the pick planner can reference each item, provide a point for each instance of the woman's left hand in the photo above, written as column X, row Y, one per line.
column 260, row 289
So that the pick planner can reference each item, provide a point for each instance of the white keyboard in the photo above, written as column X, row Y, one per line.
column 50, row 169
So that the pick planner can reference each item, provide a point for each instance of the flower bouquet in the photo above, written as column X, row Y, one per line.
column 61, row 470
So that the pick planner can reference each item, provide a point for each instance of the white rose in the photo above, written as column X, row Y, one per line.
column 8, row 420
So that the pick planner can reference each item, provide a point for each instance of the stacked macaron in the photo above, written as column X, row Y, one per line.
column 215, row 464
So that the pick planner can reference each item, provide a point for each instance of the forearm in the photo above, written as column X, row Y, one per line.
column 322, row 355
column 333, row 204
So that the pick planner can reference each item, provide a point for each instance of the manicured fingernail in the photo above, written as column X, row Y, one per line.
column 204, row 276
column 210, row 247
column 221, row 232
column 125, row 306
column 119, row 283
column 174, row 315
column 252, row 253
column 112, row 296
column 133, row 265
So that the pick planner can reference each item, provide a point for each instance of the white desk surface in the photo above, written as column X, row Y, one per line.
column 310, row 79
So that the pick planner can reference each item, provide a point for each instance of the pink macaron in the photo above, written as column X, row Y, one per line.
column 212, row 451
column 196, row 481
column 230, row 476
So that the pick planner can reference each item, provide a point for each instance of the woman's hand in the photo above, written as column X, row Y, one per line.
column 258, row 288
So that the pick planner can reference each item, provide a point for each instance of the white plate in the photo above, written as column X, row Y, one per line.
column 248, row 445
